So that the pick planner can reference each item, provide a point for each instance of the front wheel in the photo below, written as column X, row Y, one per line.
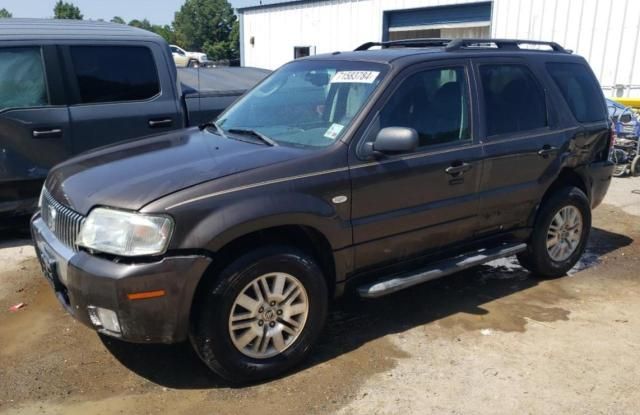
column 262, row 314
column 560, row 234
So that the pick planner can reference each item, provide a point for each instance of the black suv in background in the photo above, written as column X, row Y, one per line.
column 372, row 169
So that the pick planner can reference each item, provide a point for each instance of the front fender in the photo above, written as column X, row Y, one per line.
column 230, row 218
column 263, row 212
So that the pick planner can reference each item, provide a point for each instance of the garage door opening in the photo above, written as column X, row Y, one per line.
column 471, row 20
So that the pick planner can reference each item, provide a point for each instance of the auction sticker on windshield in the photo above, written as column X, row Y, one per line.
column 363, row 77
column 333, row 131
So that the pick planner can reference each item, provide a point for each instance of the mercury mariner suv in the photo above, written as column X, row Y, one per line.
column 367, row 171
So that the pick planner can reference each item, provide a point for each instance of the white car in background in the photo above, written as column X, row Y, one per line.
column 184, row 59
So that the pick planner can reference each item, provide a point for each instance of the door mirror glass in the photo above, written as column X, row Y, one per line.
column 393, row 140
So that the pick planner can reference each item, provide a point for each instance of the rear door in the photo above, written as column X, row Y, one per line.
column 406, row 205
column 521, row 143
column 120, row 91
column 34, row 122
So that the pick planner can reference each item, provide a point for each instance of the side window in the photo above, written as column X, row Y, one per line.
column 580, row 90
column 513, row 99
column 22, row 79
column 435, row 103
column 115, row 73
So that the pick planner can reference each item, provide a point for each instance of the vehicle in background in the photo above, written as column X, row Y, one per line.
column 625, row 119
column 372, row 170
column 184, row 59
column 70, row 86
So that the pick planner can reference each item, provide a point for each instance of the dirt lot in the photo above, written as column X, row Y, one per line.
column 490, row 340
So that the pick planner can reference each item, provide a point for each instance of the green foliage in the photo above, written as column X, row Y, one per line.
column 207, row 25
column 118, row 19
column 165, row 31
column 64, row 10
column 4, row 14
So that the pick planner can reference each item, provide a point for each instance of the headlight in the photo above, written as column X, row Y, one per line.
column 125, row 233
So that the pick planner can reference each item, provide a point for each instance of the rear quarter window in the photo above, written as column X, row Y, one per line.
column 580, row 91
column 115, row 73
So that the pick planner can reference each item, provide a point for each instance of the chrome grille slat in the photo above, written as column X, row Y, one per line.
column 66, row 222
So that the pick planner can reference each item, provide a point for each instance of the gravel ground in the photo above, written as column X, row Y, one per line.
column 489, row 340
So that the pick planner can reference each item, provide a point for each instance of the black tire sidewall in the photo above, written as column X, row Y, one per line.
column 635, row 166
column 538, row 256
column 210, row 334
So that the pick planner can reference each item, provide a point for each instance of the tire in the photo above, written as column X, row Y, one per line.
column 212, row 333
column 538, row 258
column 193, row 64
column 635, row 166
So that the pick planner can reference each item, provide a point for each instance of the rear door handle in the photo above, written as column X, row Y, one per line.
column 165, row 122
column 457, row 169
column 546, row 150
column 48, row 133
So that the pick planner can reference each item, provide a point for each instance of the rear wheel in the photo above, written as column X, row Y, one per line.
column 262, row 315
column 560, row 234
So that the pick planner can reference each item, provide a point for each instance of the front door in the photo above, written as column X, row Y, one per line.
column 406, row 205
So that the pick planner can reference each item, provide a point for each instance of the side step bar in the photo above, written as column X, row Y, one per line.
column 436, row 270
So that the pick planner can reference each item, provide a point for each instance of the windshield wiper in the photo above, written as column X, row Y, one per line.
column 254, row 133
column 215, row 125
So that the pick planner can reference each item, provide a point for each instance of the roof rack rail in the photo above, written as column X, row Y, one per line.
column 415, row 43
column 511, row 44
column 457, row 44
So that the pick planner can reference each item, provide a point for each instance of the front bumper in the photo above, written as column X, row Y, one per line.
column 81, row 280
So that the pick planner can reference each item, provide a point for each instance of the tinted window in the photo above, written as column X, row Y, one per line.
column 580, row 90
column 513, row 99
column 22, row 81
column 115, row 73
column 434, row 103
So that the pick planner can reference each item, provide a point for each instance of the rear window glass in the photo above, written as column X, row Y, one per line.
column 580, row 90
column 115, row 73
column 514, row 101
column 22, row 81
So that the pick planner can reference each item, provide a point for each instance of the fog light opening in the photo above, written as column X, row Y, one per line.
column 103, row 318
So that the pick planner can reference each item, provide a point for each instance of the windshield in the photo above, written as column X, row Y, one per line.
column 306, row 103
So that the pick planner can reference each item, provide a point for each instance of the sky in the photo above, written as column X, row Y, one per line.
column 157, row 11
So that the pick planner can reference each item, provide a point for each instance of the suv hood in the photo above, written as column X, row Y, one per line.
column 135, row 173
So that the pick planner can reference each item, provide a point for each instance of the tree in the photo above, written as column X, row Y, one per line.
column 118, row 19
column 206, row 25
column 4, row 14
column 64, row 10
column 141, row 24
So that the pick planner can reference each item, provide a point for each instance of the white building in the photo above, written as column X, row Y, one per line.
column 605, row 32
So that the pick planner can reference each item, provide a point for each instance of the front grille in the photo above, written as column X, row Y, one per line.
column 63, row 222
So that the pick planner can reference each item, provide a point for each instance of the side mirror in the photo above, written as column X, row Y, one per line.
column 394, row 140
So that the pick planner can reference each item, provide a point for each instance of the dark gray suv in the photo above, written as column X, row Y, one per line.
column 371, row 169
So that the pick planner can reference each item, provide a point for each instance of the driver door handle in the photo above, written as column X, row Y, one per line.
column 546, row 150
column 457, row 169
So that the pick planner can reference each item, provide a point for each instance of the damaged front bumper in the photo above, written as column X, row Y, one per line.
column 85, row 283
